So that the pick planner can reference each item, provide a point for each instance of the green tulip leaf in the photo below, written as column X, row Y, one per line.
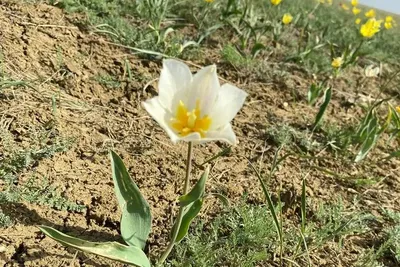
column 370, row 140
column 112, row 250
column 322, row 109
column 197, row 191
column 136, row 217
column 190, row 213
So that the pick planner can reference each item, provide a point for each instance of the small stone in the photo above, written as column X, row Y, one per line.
column 73, row 68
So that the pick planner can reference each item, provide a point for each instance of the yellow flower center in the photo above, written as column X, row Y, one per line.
column 186, row 122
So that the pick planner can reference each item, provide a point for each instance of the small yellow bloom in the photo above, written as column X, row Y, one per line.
column 389, row 22
column 388, row 25
column 337, row 62
column 398, row 109
column 329, row 2
column 370, row 13
column 354, row 2
column 345, row 7
column 389, row 19
column 356, row 11
column 276, row 2
column 358, row 21
column 370, row 28
column 287, row 19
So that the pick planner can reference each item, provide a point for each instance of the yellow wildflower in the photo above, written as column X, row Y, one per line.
column 389, row 19
column 337, row 62
column 356, row 11
column 345, row 7
column 370, row 14
column 354, row 2
column 370, row 28
column 329, row 2
column 389, row 22
column 398, row 109
column 276, row 2
column 358, row 21
column 287, row 19
column 388, row 25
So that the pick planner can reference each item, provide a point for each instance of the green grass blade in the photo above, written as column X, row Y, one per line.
column 269, row 202
column 303, row 206
column 223, row 152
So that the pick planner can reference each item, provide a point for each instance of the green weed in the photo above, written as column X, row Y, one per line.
column 17, row 161
column 108, row 81
column 245, row 235
column 387, row 253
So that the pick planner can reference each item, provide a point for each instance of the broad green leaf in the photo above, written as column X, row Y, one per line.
column 363, row 127
column 313, row 93
column 112, row 250
column 368, row 125
column 190, row 213
column 136, row 217
column 322, row 109
column 370, row 141
column 197, row 191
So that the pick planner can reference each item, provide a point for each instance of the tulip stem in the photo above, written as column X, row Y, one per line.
column 188, row 168
column 178, row 222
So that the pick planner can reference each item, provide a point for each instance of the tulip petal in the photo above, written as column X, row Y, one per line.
column 225, row 134
column 193, row 137
column 229, row 101
column 175, row 77
column 204, row 89
column 160, row 115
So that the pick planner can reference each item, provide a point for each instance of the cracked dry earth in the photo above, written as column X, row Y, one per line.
column 44, row 46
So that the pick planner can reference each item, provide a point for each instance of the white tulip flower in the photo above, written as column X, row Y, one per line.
column 195, row 108
column 372, row 71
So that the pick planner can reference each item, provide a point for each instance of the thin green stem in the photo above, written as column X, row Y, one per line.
column 177, row 225
column 188, row 168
